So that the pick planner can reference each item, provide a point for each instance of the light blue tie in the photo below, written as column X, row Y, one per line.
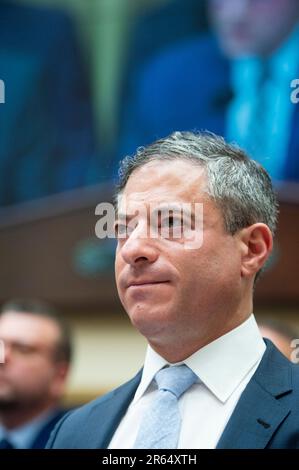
column 160, row 426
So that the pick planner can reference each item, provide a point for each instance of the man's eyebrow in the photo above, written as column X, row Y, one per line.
column 176, row 208
column 185, row 209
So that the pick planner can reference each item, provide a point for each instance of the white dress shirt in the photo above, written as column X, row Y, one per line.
column 224, row 368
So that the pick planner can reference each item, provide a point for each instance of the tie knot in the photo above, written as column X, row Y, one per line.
column 175, row 379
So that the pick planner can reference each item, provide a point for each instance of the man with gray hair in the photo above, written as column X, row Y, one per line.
column 209, row 380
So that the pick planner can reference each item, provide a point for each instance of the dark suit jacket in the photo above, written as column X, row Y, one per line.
column 187, row 87
column 42, row 437
column 266, row 416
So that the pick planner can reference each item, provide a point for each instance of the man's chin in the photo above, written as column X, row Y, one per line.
column 149, row 324
column 7, row 404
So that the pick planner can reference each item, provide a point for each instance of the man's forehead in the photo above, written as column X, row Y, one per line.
column 27, row 326
column 164, row 181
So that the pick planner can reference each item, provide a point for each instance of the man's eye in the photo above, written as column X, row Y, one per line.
column 170, row 222
column 171, row 227
column 124, row 230
column 23, row 348
column 120, row 230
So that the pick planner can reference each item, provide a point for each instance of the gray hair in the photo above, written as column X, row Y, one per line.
column 240, row 186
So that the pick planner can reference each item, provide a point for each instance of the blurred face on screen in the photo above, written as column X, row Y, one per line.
column 252, row 27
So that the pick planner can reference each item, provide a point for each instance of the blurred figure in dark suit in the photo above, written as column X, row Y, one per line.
column 234, row 82
column 47, row 143
column 37, row 356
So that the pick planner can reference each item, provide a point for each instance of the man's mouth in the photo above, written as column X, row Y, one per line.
column 146, row 283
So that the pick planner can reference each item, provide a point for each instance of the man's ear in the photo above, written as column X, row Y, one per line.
column 257, row 244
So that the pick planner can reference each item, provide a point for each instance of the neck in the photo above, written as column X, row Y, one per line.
column 13, row 418
column 181, row 346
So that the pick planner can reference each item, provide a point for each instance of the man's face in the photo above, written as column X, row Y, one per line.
column 171, row 292
column 29, row 375
column 252, row 27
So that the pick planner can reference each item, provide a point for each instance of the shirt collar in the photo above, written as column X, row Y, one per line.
column 23, row 436
column 220, row 365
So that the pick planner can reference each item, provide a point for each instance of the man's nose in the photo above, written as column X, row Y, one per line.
column 139, row 247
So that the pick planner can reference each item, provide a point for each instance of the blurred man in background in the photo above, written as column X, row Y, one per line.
column 37, row 356
column 235, row 82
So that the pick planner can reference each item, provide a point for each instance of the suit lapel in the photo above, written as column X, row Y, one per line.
column 254, row 420
column 105, row 416
column 260, row 411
